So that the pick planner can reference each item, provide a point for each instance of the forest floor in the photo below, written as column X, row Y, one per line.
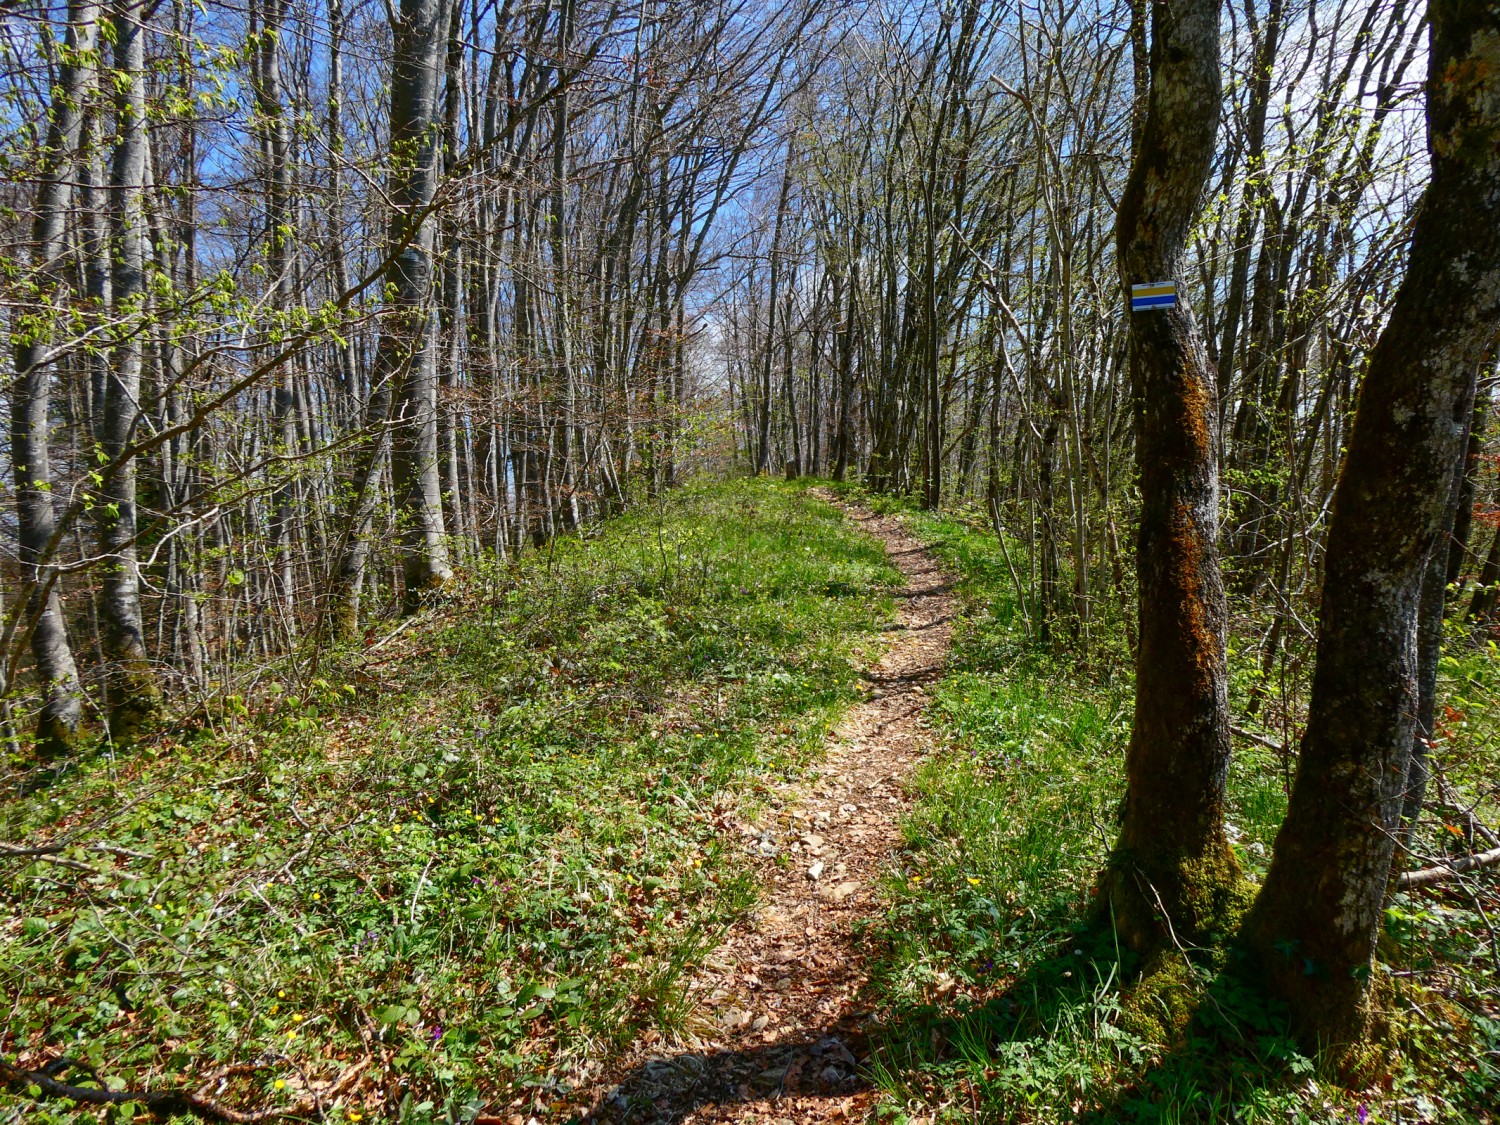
column 754, row 804
column 449, row 874
column 781, row 1031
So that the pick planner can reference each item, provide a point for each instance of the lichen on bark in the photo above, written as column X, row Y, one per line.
column 1172, row 881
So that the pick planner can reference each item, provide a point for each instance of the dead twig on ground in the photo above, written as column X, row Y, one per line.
column 45, row 1083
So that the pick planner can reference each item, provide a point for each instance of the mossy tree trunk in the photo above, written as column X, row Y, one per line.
column 1172, row 877
column 1313, row 929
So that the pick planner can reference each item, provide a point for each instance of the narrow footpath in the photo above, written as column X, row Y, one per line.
column 779, row 1033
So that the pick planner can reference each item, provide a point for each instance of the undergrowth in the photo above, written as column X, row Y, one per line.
column 999, row 1003
column 477, row 857
column 471, row 860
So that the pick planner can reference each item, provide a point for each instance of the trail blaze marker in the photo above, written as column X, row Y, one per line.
column 1153, row 295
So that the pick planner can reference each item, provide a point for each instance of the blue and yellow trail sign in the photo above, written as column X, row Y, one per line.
column 1153, row 295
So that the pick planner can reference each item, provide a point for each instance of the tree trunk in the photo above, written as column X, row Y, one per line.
column 1482, row 602
column 406, row 354
column 1312, row 931
column 1431, row 605
column 30, row 418
column 133, row 697
column 1463, row 511
column 844, row 311
column 267, row 24
column 763, row 451
column 1257, row 189
column 1172, row 875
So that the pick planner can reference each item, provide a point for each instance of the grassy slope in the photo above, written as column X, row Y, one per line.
column 477, row 857
column 1000, row 1009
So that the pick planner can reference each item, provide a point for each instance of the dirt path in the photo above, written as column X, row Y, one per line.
column 779, row 1036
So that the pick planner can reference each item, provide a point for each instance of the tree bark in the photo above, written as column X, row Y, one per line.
column 1463, row 510
column 1172, row 876
column 267, row 24
column 1431, row 604
column 763, row 450
column 1312, row 931
column 1482, row 601
column 30, row 418
column 406, row 355
column 409, row 345
column 133, row 696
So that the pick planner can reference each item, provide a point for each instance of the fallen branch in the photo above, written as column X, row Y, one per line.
column 163, row 1102
column 1476, row 826
column 1442, row 872
column 45, row 854
column 1259, row 739
column 19, row 852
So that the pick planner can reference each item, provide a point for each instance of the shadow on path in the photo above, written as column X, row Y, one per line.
column 822, row 1065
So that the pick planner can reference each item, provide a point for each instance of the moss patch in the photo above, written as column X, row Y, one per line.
column 1195, row 902
column 1160, row 1007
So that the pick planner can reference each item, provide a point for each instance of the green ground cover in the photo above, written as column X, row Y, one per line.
column 475, row 858
column 1000, row 1005
column 470, row 859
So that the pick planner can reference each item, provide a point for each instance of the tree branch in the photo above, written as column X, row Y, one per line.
column 1443, row 872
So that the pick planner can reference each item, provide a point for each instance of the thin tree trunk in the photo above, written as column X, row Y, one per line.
column 763, row 451
column 1463, row 512
column 1430, row 613
column 1482, row 603
column 267, row 26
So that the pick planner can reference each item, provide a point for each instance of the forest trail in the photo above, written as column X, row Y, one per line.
column 778, row 1034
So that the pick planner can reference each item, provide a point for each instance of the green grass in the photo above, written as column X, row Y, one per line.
column 475, row 860
column 999, row 1004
